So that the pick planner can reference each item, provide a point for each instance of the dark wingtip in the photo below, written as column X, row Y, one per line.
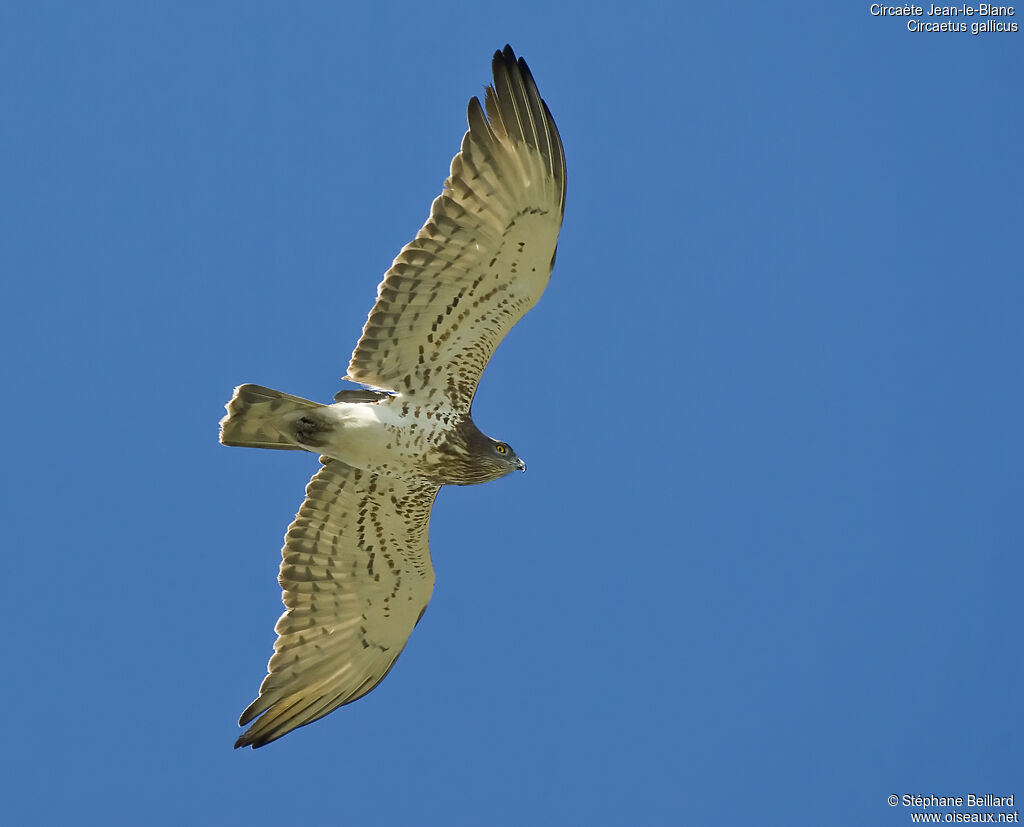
column 244, row 741
column 506, row 56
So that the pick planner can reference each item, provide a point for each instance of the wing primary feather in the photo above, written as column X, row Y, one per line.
column 503, row 92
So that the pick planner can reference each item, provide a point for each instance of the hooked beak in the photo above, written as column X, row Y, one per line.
column 521, row 464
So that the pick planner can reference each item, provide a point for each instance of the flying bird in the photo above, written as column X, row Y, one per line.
column 356, row 572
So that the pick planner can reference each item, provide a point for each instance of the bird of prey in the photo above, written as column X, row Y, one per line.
column 356, row 572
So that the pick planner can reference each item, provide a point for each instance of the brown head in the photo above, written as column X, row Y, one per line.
column 469, row 457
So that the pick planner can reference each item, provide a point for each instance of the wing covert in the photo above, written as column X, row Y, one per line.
column 356, row 576
column 482, row 259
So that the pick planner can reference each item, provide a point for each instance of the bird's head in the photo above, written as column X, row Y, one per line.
column 506, row 457
column 469, row 456
column 492, row 459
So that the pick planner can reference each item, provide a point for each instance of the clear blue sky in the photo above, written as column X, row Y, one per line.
column 765, row 567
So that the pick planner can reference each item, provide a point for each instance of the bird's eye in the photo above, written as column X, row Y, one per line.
column 501, row 448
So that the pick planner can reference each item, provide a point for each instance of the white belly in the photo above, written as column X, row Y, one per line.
column 391, row 437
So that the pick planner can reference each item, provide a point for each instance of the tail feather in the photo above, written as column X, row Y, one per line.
column 255, row 416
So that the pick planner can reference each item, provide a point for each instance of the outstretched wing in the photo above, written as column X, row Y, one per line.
column 356, row 576
column 482, row 259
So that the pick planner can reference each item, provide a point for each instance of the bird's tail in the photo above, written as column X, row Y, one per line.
column 257, row 418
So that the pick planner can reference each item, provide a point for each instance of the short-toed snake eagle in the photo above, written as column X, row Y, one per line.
column 356, row 572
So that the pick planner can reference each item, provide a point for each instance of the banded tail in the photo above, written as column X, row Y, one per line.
column 257, row 417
